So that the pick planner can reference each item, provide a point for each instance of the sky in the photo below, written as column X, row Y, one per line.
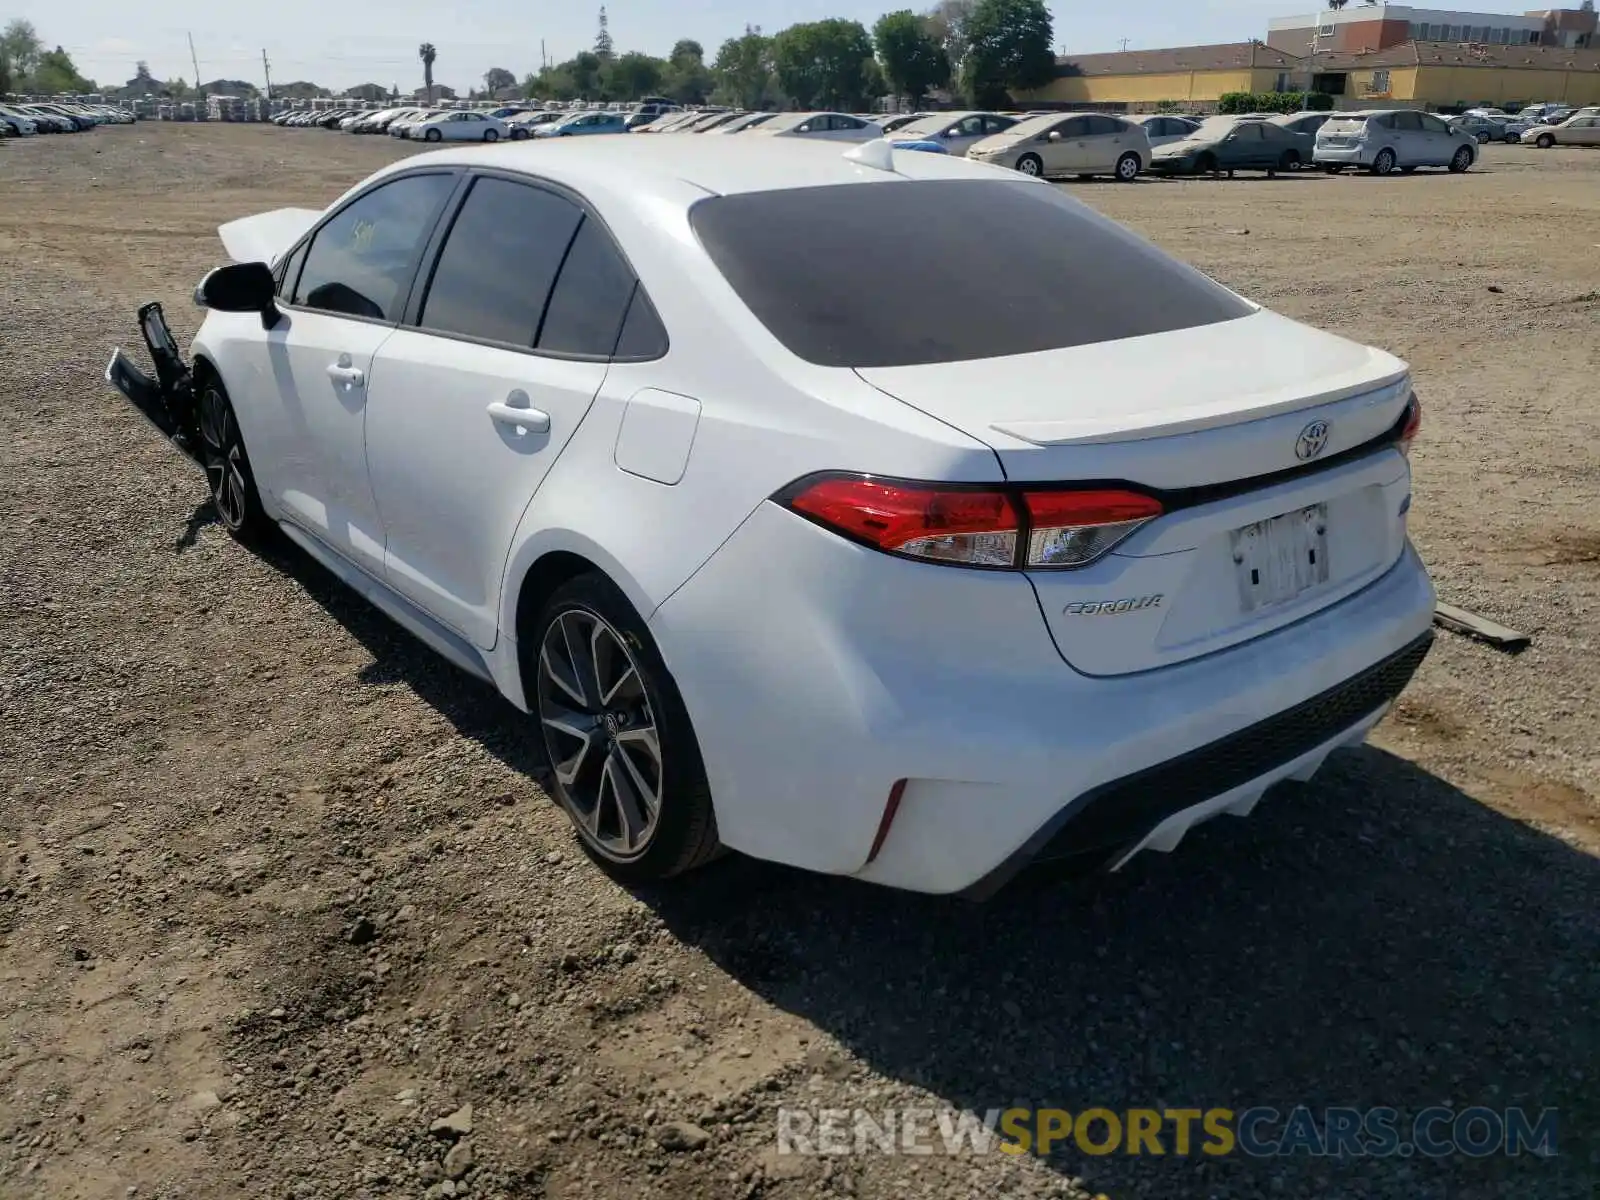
column 346, row 42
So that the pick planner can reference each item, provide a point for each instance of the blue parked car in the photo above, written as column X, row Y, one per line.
column 579, row 124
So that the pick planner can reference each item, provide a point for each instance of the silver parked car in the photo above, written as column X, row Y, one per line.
column 1386, row 140
column 957, row 132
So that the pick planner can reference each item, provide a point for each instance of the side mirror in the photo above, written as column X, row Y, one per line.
column 1055, row 135
column 952, row 133
column 240, row 287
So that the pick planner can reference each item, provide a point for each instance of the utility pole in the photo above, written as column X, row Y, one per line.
column 196, row 63
column 544, row 60
column 1124, row 45
column 266, row 69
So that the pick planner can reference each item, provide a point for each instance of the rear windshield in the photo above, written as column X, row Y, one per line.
column 898, row 273
column 1343, row 125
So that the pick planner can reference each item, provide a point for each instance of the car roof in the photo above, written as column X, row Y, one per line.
column 648, row 170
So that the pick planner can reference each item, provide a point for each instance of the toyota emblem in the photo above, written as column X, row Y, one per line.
column 1312, row 441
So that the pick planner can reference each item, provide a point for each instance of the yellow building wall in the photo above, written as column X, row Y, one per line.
column 1449, row 85
column 1146, row 89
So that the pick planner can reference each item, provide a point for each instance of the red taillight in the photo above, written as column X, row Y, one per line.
column 1069, row 529
column 923, row 520
column 977, row 527
column 1408, row 431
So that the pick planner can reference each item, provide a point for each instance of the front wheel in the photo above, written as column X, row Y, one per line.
column 1031, row 164
column 433, row 135
column 625, row 764
column 1513, row 139
column 1544, row 141
column 1461, row 159
column 228, row 474
column 1127, row 168
column 491, row 135
column 1483, row 139
column 1384, row 163
column 519, row 135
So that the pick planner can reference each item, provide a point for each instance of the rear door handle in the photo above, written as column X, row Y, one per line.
column 525, row 418
column 347, row 375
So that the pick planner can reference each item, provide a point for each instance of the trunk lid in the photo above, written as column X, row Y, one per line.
column 1194, row 415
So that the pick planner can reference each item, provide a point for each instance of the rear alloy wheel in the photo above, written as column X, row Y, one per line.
column 1483, row 139
column 433, row 135
column 1461, row 159
column 491, row 135
column 1031, row 164
column 624, row 761
column 519, row 135
column 233, row 487
column 1384, row 163
column 1544, row 141
column 1128, row 168
column 1513, row 139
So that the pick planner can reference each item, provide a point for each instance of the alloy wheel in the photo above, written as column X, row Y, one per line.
column 600, row 733
column 1029, row 165
column 223, row 457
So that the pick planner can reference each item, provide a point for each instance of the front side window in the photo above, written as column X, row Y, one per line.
column 1047, row 274
column 360, row 261
column 499, row 262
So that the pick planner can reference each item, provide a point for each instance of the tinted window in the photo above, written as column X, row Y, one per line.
column 1103, row 125
column 1407, row 121
column 360, row 261
column 1248, row 131
column 289, row 271
column 1434, row 125
column 591, row 297
column 995, row 124
column 1075, row 128
column 643, row 335
column 494, row 273
column 1048, row 273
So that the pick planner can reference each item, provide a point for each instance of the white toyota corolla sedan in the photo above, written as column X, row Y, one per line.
column 793, row 537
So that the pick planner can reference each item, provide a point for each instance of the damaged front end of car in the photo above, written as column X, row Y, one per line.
column 168, row 401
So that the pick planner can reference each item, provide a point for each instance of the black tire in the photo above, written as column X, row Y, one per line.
column 1127, row 168
column 1483, row 139
column 228, row 475
column 1544, row 141
column 1333, row 168
column 1290, row 161
column 432, row 135
column 491, row 135
column 1461, row 159
column 683, row 834
column 1206, row 164
column 1384, row 163
column 1513, row 139
column 1031, row 165
column 519, row 135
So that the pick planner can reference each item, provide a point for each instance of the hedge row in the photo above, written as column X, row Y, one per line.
column 1277, row 102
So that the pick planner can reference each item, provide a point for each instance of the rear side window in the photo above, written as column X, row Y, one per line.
column 1100, row 126
column 361, row 259
column 499, row 262
column 904, row 281
column 591, row 297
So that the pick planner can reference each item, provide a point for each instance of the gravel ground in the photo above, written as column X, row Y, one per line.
column 278, row 891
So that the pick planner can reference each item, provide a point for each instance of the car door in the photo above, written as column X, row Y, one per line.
column 963, row 135
column 1063, row 147
column 347, row 285
column 1585, row 131
column 507, row 342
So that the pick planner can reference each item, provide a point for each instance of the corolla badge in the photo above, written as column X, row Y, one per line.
column 1312, row 441
column 1111, row 608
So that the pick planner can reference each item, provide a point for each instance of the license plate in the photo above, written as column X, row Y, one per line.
column 1279, row 558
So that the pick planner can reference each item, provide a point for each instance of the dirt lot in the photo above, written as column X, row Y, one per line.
column 277, row 889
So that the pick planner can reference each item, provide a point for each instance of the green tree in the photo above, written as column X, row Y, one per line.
column 1008, row 50
column 429, row 56
column 743, row 69
column 5, row 71
column 604, row 48
column 21, row 45
column 914, row 60
column 820, row 62
column 633, row 76
column 57, row 73
column 948, row 22
column 686, row 78
column 496, row 78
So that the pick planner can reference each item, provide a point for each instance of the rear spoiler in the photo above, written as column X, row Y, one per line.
column 265, row 236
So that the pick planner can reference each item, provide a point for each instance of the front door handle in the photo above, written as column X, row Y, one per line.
column 343, row 373
column 523, row 418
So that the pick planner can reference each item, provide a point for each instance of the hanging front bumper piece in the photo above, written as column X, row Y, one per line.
column 168, row 401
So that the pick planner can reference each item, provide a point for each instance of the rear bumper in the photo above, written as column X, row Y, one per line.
column 816, row 688
column 1342, row 155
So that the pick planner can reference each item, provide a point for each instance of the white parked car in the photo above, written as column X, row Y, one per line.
column 460, row 126
column 402, row 125
column 820, row 127
column 905, row 566
column 957, row 132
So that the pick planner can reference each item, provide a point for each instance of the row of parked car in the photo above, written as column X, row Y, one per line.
column 1047, row 144
column 27, row 120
